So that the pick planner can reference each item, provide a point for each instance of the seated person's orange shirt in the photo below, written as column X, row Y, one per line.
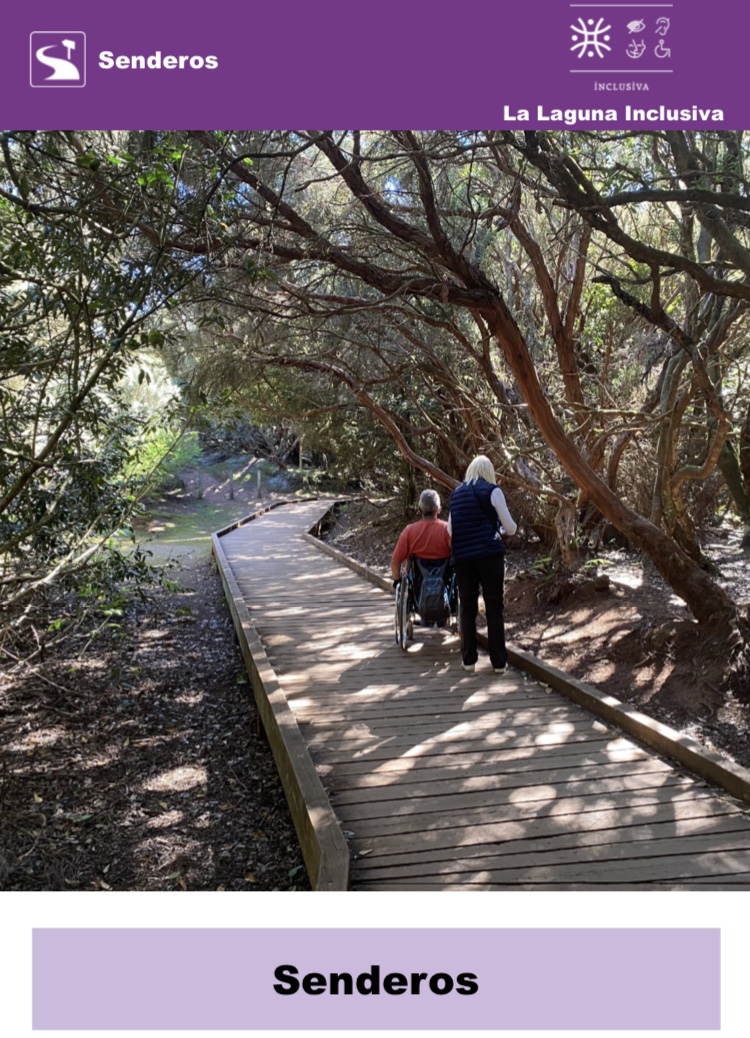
column 427, row 539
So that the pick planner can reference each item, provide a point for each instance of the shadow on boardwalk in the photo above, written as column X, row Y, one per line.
column 444, row 780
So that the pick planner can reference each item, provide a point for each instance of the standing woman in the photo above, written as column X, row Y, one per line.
column 478, row 511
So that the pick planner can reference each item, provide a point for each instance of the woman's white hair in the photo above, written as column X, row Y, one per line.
column 480, row 468
column 429, row 502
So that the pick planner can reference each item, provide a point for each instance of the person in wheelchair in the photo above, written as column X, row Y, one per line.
column 422, row 554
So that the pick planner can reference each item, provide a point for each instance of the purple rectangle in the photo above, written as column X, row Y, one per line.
column 338, row 64
column 525, row 979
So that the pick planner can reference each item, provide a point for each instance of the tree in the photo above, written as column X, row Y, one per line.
column 567, row 303
column 384, row 220
column 691, row 284
column 80, row 285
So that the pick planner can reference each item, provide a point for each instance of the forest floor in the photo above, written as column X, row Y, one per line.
column 135, row 762
column 617, row 626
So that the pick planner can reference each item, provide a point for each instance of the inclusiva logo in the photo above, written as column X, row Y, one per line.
column 58, row 59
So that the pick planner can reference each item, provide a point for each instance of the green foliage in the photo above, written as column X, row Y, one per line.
column 543, row 564
column 395, row 301
column 596, row 563
column 80, row 287
column 160, row 457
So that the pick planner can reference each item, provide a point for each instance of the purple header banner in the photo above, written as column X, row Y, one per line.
column 544, row 64
column 377, row 979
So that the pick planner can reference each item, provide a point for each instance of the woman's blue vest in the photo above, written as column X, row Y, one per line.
column 475, row 525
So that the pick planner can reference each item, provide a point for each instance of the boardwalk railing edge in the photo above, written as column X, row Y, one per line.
column 324, row 849
column 660, row 737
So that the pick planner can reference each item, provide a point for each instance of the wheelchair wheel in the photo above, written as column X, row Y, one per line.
column 403, row 625
column 456, row 618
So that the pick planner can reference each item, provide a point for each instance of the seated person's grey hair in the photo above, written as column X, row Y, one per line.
column 429, row 502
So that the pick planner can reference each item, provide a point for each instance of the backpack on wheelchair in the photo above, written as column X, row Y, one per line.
column 427, row 590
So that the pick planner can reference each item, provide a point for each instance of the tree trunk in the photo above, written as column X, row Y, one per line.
column 706, row 600
column 730, row 469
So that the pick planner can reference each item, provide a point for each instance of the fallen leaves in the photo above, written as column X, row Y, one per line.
column 153, row 711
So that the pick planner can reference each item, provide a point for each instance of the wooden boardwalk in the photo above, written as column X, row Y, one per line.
column 454, row 781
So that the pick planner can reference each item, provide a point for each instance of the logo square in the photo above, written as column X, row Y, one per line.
column 58, row 59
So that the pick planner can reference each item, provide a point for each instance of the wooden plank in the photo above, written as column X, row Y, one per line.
column 438, row 784
column 567, row 812
column 366, row 774
column 372, row 698
column 672, row 868
column 384, row 720
column 717, row 883
column 457, row 839
column 483, row 726
column 363, row 745
column 325, row 852
column 423, row 802
column 715, row 843
column 328, row 694
column 366, row 748
column 692, row 823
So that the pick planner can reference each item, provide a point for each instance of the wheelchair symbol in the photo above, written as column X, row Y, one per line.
column 661, row 51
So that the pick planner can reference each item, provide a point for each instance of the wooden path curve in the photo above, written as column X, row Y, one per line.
column 439, row 779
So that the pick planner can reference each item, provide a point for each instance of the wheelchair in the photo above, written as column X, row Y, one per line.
column 427, row 592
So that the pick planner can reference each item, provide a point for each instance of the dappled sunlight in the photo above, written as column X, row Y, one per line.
column 164, row 821
column 256, row 557
column 36, row 739
column 511, row 831
column 171, row 854
column 618, row 748
column 480, row 696
column 301, row 702
column 442, row 777
column 177, row 779
column 279, row 640
column 317, row 580
column 180, row 538
column 103, row 757
column 533, row 794
column 560, row 633
column 626, row 577
column 156, row 634
column 553, row 734
column 160, row 527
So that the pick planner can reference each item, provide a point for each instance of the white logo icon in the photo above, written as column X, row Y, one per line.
column 58, row 59
column 594, row 42
column 62, row 68
column 662, row 26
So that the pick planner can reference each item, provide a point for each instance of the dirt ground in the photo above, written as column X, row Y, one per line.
column 617, row 626
column 136, row 763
